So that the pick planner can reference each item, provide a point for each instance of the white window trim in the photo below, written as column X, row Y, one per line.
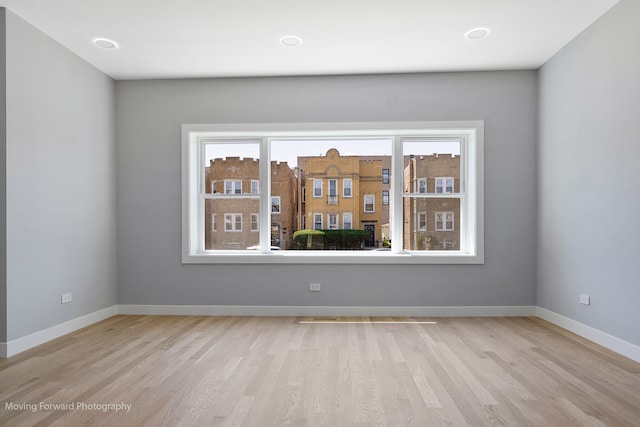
column 257, row 186
column 345, row 187
column 444, row 180
column 318, row 215
column 316, row 196
column 470, row 133
column 234, row 215
column 273, row 199
column 373, row 203
column 417, row 189
column 418, row 215
column 444, row 221
column 336, row 225
column 233, row 186
column 257, row 222
column 344, row 216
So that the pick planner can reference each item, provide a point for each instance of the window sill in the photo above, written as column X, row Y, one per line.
column 334, row 257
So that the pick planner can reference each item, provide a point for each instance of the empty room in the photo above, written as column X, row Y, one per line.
column 410, row 213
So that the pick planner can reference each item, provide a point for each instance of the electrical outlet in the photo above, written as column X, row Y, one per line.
column 66, row 298
column 315, row 287
column 585, row 299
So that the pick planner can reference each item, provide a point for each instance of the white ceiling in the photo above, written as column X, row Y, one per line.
column 220, row 38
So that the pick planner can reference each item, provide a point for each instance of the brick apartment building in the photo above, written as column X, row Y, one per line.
column 431, row 223
column 344, row 192
column 232, row 221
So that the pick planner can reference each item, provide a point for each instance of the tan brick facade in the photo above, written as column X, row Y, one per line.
column 329, row 204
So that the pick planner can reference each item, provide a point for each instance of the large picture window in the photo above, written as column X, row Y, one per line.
column 427, row 178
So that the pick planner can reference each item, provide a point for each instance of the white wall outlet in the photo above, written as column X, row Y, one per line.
column 66, row 298
column 315, row 287
column 585, row 299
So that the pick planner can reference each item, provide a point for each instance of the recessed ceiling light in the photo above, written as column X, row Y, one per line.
column 105, row 43
column 290, row 41
column 477, row 33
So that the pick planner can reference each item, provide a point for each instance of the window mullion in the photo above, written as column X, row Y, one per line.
column 397, row 183
column 200, row 182
column 464, row 200
column 265, row 196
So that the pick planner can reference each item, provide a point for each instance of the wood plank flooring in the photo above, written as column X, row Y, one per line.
column 277, row 371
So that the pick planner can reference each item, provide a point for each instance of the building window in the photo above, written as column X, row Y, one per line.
column 422, row 221
column 255, row 186
column 333, row 192
column 444, row 185
column 233, row 222
column 347, row 221
column 232, row 187
column 422, row 185
column 347, row 184
column 444, row 221
column 432, row 175
column 385, row 197
column 332, row 219
column 317, row 188
column 275, row 204
column 369, row 206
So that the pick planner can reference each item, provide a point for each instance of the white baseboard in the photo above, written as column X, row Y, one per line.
column 241, row 310
column 622, row 347
column 21, row 344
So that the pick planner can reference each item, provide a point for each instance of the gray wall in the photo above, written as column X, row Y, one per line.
column 3, row 181
column 589, row 201
column 149, row 115
column 60, row 183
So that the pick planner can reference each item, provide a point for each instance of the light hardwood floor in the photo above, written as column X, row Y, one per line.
column 252, row 371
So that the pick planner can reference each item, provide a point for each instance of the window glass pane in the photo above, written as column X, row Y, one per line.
column 431, row 166
column 275, row 204
column 385, row 176
column 233, row 219
column 230, row 167
column 317, row 187
column 346, row 187
column 347, row 221
column 431, row 223
column 369, row 203
column 335, row 174
column 231, row 170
